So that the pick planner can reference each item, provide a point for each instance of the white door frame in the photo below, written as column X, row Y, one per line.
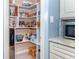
column 6, row 29
column 44, row 30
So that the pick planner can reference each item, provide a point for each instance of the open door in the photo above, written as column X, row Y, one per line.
column 24, row 29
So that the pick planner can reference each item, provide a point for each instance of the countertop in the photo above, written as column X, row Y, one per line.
column 66, row 42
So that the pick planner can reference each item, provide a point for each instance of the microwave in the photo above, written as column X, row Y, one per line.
column 69, row 30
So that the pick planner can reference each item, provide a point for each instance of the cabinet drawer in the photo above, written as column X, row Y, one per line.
column 52, row 45
column 53, row 56
column 63, row 51
column 61, row 55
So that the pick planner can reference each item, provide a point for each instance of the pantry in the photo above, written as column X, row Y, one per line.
column 24, row 29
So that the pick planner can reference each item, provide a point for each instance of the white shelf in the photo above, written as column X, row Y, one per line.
column 12, row 5
column 13, row 16
column 28, row 17
column 11, row 27
column 24, row 41
column 26, row 7
column 24, row 27
column 35, row 4
column 35, row 43
column 32, row 6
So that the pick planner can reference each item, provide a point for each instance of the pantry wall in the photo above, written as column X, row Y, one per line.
column 24, row 29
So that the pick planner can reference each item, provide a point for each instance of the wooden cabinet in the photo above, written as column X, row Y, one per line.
column 67, row 8
column 59, row 51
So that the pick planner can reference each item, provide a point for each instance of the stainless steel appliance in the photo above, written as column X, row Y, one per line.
column 69, row 30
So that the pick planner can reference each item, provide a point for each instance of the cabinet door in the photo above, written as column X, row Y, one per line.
column 67, row 8
column 54, row 45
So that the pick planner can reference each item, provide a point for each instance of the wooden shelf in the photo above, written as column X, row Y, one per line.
column 23, row 27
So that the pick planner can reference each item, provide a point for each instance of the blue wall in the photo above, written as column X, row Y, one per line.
column 49, row 30
column 54, row 10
